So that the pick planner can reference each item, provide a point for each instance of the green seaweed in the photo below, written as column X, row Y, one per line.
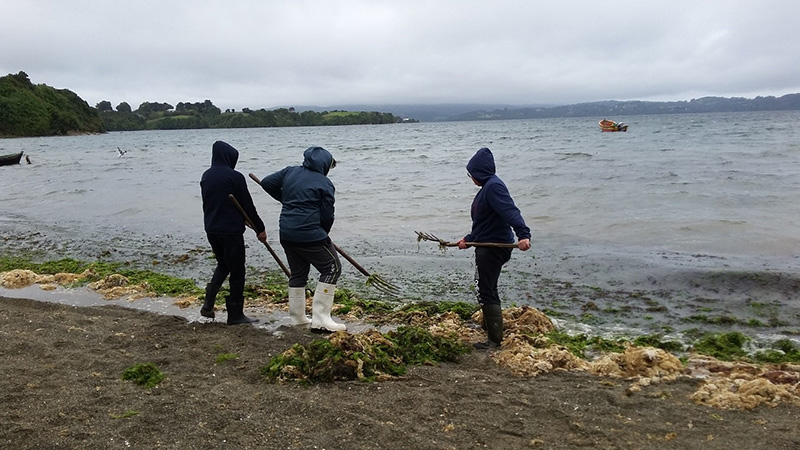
column 578, row 344
column 366, row 359
column 223, row 357
column 144, row 374
column 724, row 346
column 125, row 415
column 782, row 351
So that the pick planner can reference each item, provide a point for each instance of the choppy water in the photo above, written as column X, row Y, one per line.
column 682, row 216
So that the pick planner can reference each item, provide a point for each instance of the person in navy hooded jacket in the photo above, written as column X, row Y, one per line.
column 224, row 226
column 307, row 213
column 494, row 216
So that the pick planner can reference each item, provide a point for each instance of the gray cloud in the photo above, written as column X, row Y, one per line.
column 263, row 54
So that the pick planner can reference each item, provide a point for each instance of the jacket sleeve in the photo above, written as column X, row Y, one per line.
column 246, row 200
column 504, row 206
column 273, row 185
column 326, row 209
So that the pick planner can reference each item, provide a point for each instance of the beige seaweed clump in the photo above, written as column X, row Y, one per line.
column 738, row 393
column 525, row 350
column 116, row 286
column 522, row 319
column 113, row 286
column 740, row 385
column 450, row 324
column 20, row 278
column 648, row 362
column 520, row 355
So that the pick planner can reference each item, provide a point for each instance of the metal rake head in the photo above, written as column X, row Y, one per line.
column 382, row 285
column 429, row 237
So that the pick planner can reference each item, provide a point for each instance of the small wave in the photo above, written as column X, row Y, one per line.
column 127, row 212
column 574, row 155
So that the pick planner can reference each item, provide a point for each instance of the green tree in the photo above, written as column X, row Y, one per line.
column 40, row 110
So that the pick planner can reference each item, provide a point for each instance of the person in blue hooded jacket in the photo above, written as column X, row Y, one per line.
column 496, row 219
column 307, row 197
column 224, row 226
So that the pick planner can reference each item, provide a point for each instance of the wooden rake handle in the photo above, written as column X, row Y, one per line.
column 250, row 224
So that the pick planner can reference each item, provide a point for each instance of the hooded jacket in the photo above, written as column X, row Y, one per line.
column 493, row 211
column 220, row 215
column 307, row 196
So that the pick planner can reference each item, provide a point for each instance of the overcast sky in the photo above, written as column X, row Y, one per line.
column 263, row 54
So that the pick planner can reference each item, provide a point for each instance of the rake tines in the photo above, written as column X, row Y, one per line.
column 444, row 244
column 382, row 285
column 430, row 237
column 373, row 279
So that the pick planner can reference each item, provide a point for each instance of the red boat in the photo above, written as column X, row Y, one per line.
column 610, row 125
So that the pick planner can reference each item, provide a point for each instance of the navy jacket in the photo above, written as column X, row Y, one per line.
column 220, row 215
column 307, row 196
column 493, row 211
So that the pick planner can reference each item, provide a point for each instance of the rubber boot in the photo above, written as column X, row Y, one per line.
column 207, row 310
column 236, row 312
column 321, row 320
column 493, row 319
column 297, row 306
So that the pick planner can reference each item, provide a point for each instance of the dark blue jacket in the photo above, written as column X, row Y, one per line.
column 220, row 215
column 493, row 211
column 307, row 196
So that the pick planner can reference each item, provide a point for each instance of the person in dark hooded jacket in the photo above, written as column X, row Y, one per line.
column 225, row 226
column 494, row 216
column 307, row 196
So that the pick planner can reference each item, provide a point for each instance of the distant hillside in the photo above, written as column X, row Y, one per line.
column 632, row 108
column 40, row 110
column 423, row 113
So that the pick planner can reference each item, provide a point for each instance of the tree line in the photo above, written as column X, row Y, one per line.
column 40, row 110
column 163, row 116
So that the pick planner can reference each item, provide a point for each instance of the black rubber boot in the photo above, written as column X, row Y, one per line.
column 493, row 320
column 236, row 312
column 207, row 310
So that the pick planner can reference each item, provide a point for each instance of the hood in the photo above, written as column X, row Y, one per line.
column 223, row 154
column 317, row 159
column 481, row 166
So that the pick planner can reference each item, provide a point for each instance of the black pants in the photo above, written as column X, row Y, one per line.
column 488, row 264
column 323, row 257
column 229, row 252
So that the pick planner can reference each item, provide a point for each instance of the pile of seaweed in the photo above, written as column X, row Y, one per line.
column 368, row 356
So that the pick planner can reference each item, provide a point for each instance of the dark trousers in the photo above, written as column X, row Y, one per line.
column 230, row 255
column 488, row 264
column 323, row 257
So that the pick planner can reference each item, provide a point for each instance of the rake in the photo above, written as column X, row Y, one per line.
column 443, row 244
column 373, row 279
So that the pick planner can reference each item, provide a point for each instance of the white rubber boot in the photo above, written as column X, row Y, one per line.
column 321, row 309
column 297, row 306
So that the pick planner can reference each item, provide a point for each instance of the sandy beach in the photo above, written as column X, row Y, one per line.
column 62, row 388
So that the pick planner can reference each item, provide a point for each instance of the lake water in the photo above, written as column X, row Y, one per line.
column 682, row 217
